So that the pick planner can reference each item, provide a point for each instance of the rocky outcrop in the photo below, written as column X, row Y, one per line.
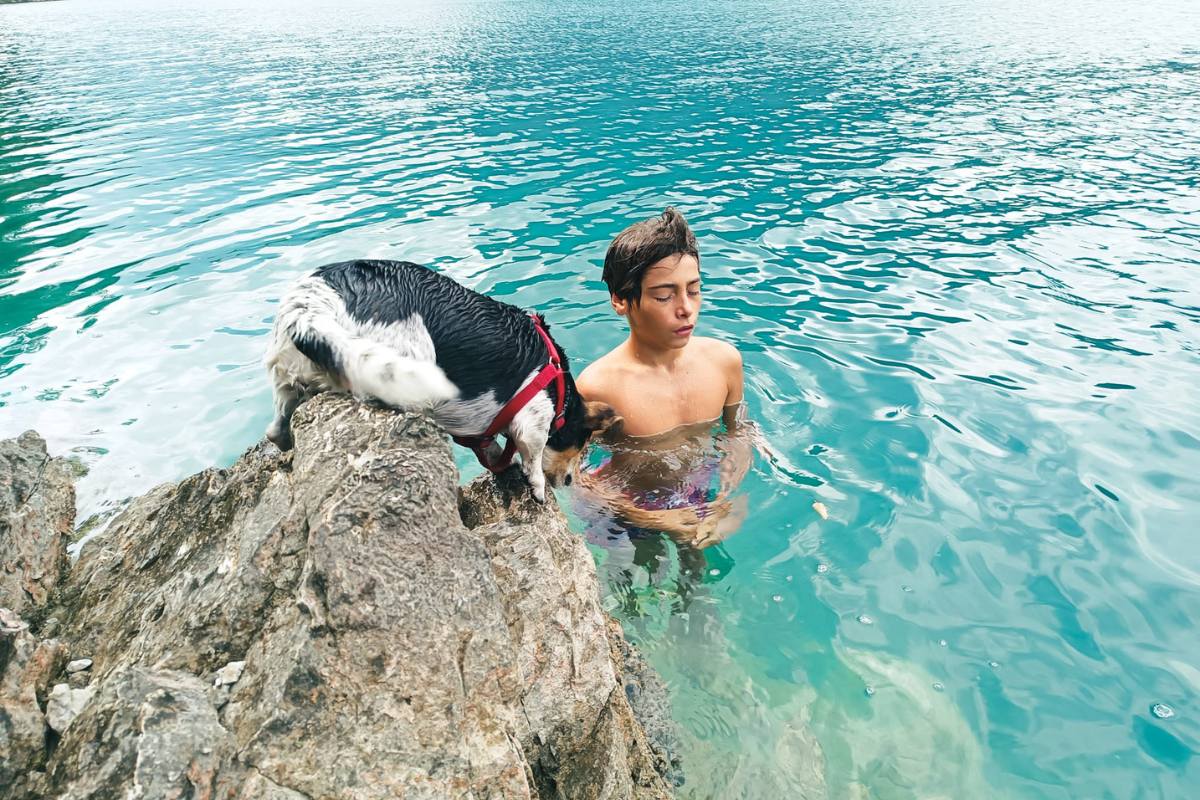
column 26, row 669
column 37, row 514
column 338, row 621
column 596, row 700
column 37, row 509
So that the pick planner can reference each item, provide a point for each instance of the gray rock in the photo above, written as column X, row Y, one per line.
column 579, row 732
column 147, row 733
column 79, row 665
column 230, row 673
column 64, row 705
column 37, row 512
column 11, row 624
column 26, row 669
column 396, row 613
column 388, row 650
column 186, row 576
column 256, row 787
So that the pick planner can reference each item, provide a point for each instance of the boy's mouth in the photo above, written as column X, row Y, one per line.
column 684, row 331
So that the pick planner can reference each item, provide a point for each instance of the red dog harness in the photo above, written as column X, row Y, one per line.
column 551, row 372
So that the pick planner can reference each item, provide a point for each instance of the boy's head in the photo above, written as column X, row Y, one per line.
column 640, row 246
column 652, row 270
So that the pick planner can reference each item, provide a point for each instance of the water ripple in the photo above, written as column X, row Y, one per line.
column 955, row 243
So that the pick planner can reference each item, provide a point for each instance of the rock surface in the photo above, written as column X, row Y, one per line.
column 37, row 515
column 230, row 673
column 389, row 649
column 65, row 704
column 79, row 665
column 26, row 668
column 569, row 654
column 147, row 733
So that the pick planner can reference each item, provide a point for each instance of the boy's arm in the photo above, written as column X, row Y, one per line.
column 590, row 384
column 731, row 361
column 739, row 452
column 697, row 527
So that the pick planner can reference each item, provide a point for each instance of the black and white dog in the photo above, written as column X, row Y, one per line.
column 409, row 337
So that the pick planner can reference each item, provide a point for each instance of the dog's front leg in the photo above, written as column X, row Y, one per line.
column 531, row 465
column 529, row 429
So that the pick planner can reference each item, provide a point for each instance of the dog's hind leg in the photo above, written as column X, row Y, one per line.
column 287, row 398
column 493, row 452
column 293, row 378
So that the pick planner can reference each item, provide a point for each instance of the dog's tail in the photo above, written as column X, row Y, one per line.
column 364, row 367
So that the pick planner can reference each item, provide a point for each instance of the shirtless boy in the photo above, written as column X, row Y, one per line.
column 663, row 380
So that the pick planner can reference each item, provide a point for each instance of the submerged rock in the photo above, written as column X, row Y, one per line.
column 322, row 623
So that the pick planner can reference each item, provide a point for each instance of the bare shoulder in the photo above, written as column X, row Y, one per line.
column 721, row 353
column 597, row 379
column 725, row 358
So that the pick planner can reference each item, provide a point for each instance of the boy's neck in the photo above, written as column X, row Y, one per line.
column 653, row 356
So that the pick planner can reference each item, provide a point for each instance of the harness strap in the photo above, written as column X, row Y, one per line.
column 552, row 371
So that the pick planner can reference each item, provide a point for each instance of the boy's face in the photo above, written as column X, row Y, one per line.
column 669, row 305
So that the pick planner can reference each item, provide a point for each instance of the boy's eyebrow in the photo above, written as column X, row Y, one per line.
column 670, row 285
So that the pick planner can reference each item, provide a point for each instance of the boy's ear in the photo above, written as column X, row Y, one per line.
column 599, row 417
column 619, row 304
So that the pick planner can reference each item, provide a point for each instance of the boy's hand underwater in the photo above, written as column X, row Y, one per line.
column 695, row 526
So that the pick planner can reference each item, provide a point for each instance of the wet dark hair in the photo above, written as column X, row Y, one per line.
column 644, row 243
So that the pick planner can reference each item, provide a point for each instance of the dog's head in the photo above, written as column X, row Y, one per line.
column 582, row 421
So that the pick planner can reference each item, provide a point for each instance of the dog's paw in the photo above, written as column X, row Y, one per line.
column 539, row 493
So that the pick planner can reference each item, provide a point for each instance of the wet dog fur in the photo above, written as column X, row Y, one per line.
column 411, row 338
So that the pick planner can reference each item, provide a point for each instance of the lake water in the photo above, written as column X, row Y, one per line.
column 958, row 244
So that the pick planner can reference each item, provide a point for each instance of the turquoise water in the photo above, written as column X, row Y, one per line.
column 957, row 244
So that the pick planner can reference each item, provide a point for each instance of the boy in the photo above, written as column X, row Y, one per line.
column 663, row 380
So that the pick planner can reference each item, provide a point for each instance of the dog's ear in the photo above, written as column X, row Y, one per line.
column 599, row 417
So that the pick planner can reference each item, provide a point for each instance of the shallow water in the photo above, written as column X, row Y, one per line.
column 956, row 243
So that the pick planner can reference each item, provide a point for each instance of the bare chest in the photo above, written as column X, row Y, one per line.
column 655, row 403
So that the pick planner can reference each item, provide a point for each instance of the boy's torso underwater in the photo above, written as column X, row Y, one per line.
column 671, row 469
column 675, row 481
